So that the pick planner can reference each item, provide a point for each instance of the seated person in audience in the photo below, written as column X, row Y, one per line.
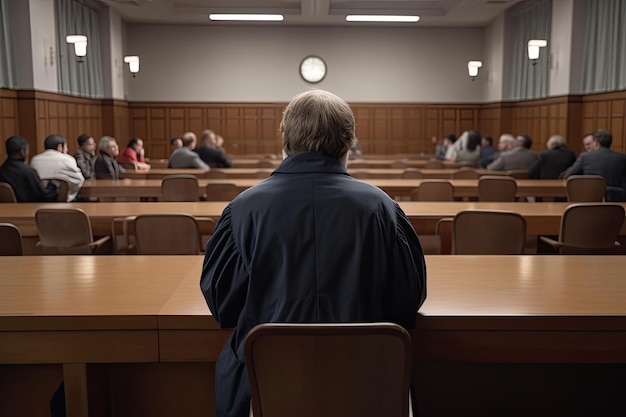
column 554, row 161
column 134, row 153
column 23, row 178
column 356, row 152
column 305, row 245
column 106, row 166
column 175, row 143
column 55, row 163
column 86, row 156
column 590, row 143
column 513, row 155
column 210, row 153
column 603, row 161
column 185, row 157
column 527, row 140
column 471, row 150
column 445, row 151
column 487, row 152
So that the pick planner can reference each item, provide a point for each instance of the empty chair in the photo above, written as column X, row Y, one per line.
column 412, row 173
column 589, row 228
column 10, row 240
column 179, row 187
column 488, row 232
column 496, row 188
column 433, row 190
column 465, row 174
column 585, row 188
column 66, row 231
column 434, row 165
column 221, row 192
column 167, row 234
column 330, row 370
column 7, row 195
column 400, row 164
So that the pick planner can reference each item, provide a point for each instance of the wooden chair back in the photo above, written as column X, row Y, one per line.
column 330, row 370
column 167, row 234
column 10, row 240
column 585, row 188
column 496, row 188
column 488, row 232
column 433, row 190
column 179, row 187
column 66, row 231
column 221, row 192
column 7, row 195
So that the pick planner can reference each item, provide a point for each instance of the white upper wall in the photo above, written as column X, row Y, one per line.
column 260, row 64
column 111, row 44
column 493, row 64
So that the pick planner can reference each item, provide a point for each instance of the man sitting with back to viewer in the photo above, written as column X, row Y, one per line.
column 55, row 163
column 513, row 155
column 86, row 155
column 106, row 166
column 210, row 153
column 554, row 161
column 605, row 162
column 185, row 157
column 23, row 178
column 310, row 244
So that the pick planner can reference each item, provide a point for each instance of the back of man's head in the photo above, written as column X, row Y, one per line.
column 14, row 145
column 189, row 138
column 53, row 141
column 506, row 141
column 208, row 138
column 603, row 137
column 526, row 140
column 318, row 121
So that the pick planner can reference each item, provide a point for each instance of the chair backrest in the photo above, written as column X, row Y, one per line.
column 62, row 190
column 519, row 174
column 7, row 195
column 488, row 232
column 10, row 240
column 179, row 187
column 215, row 174
column 399, row 164
column 64, row 231
column 129, row 166
column 264, row 163
column 360, row 174
column 433, row 190
column 585, row 188
column 412, row 173
column 591, row 228
column 167, row 234
column 465, row 174
column 496, row 188
column 221, row 192
column 434, row 165
column 330, row 370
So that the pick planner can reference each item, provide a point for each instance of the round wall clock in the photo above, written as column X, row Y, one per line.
column 313, row 69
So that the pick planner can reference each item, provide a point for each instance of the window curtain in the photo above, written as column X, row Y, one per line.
column 529, row 20
column 84, row 79
column 604, row 53
column 7, row 65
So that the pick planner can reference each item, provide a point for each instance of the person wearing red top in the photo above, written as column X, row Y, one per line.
column 134, row 153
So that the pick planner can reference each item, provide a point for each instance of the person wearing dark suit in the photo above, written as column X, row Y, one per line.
column 308, row 244
column 487, row 152
column 106, row 166
column 514, row 156
column 554, row 161
column 210, row 153
column 23, row 178
column 605, row 162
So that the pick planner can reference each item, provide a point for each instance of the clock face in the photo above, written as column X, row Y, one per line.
column 313, row 69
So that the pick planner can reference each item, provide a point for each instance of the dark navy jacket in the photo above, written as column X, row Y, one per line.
column 309, row 244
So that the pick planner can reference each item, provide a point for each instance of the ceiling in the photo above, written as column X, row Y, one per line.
column 443, row 13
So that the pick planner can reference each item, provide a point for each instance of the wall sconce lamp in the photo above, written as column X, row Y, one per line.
column 472, row 68
column 80, row 45
column 533, row 48
column 133, row 64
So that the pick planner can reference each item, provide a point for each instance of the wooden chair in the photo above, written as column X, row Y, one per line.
column 434, row 165
column 465, row 174
column 589, row 228
column 167, row 234
column 360, row 174
column 128, row 166
column 10, row 240
column 7, row 195
column 179, row 187
column 63, row 189
column 412, row 173
column 66, row 231
column 519, row 174
column 433, row 190
column 221, row 192
column 330, row 370
column 400, row 164
column 264, row 163
column 496, row 188
column 585, row 188
column 488, row 232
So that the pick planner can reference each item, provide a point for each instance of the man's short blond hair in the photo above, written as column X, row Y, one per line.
column 318, row 121
column 189, row 138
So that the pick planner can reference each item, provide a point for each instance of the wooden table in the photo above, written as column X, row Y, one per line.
column 151, row 188
column 541, row 218
column 133, row 335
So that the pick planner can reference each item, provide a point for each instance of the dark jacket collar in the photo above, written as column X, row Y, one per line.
column 309, row 162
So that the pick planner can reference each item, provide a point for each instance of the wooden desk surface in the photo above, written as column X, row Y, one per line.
column 135, row 188
column 541, row 218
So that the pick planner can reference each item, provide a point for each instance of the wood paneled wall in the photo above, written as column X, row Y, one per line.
column 252, row 128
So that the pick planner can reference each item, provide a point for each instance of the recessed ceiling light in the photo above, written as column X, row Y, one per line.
column 247, row 17
column 381, row 18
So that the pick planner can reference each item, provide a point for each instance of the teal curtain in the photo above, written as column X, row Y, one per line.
column 7, row 65
column 84, row 79
column 604, row 56
column 528, row 20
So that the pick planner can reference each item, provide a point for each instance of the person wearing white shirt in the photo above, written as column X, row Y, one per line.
column 54, row 163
